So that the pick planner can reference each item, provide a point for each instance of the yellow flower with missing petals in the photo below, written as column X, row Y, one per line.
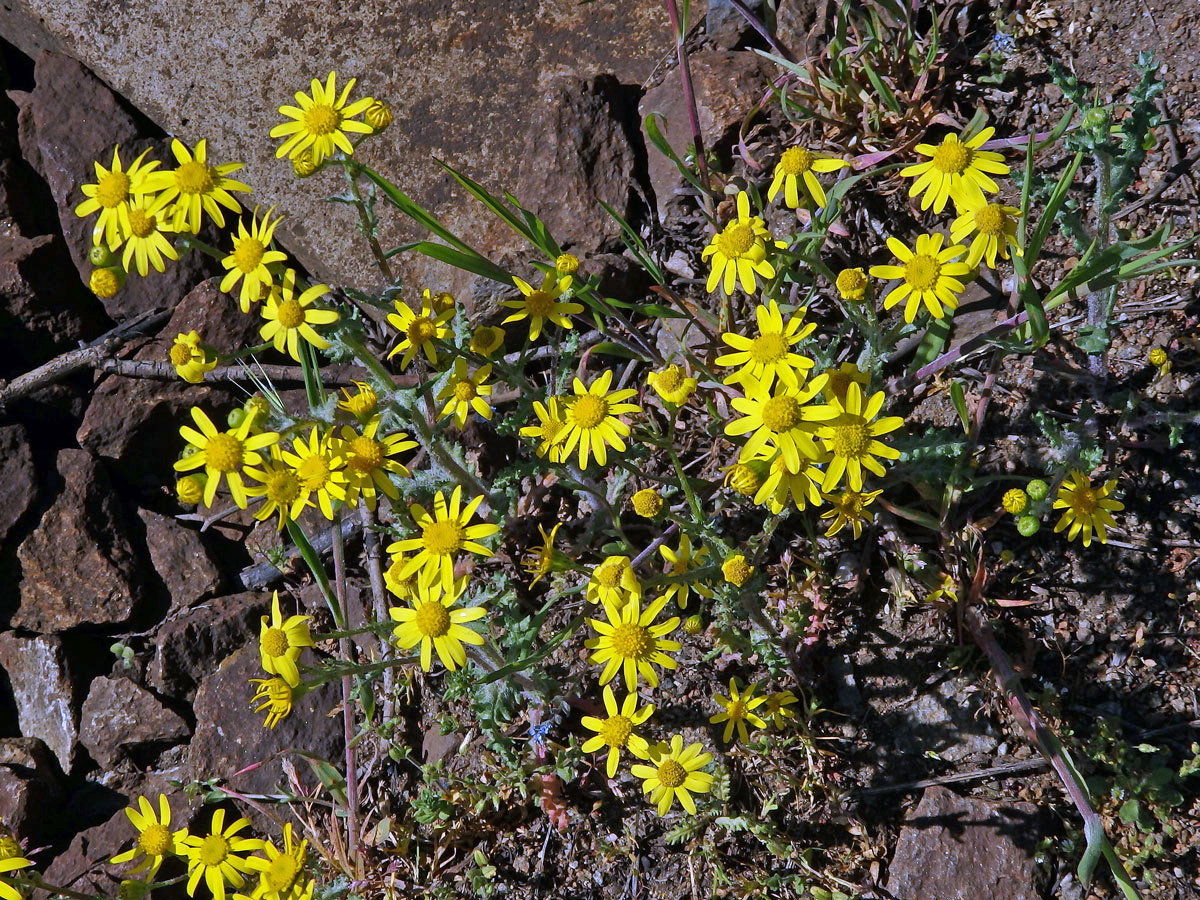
column 776, row 708
column 852, row 284
column 739, row 252
column 434, row 624
column 144, row 229
column 223, row 454
column 191, row 359
column 443, row 535
column 958, row 169
column 995, row 230
column 250, row 259
column 927, row 275
column 630, row 640
column 739, row 709
column 276, row 696
column 616, row 730
column 1086, row 508
column 281, row 872
column 673, row 772
column 613, row 582
column 851, row 439
column 680, row 564
column 280, row 642
column 591, row 419
column 215, row 857
column 541, row 562
column 796, row 167
column 290, row 318
column 673, row 384
column 487, row 339
column 549, row 431
column 322, row 121
column 194, row 186
column 647, row 503
column 737, row 570
column 111, row 195
column 849, row 508
column 769, row 355
column 541, row 305
column 420, row 330
column 361, row 402
column 466, row 392
column 784, row 419
column 369, row 462
column 319, row 466
column 155, row 840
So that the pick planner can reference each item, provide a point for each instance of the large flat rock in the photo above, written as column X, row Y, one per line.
column 467, row 82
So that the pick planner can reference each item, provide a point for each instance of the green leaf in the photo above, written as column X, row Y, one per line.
column 933, row 343
column 522, row 222
column 960, row 405
column 610, row 348
column 313, row 560
column 415, row 211
column 650, row 123
column 467, row 261
column 533, row 659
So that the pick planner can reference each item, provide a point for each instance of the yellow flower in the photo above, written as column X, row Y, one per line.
column 995, row 230
column 797, row 166
column 927, row 275
column 215, row 857
column 566, row 264
column 736, row 570
column 11, row 864
column 957, row 169
column 394, row 579
column 680, row 563
column 613, row 582
column 673, row 772
column 190, row 489
column 321, row 121
column 803, row 485
column 439, row 302
column 591, row 419
column 361, row 403
column 629, row 640
column 616, row 731
column 851, row 284
column 673, row 384
column 432, row 623
column 105, row 283
column 223, row 454
column 281, row 872
column 279, row 486
column 111, row 195
column 486, row 340
column 769, row 355
column 1085, row 507
column 540, row 305
column 378, row 116
column 849, row 507
column 465, row 392
column 155, row 840
column 541, row 563
column 290, row 318
column 190, row 359
column 420, row 330
column 368, row 461
column 747, row 475
column 841, row 378
column 443, row 535
column 739, row 709
column 784, row 419
column 303, row 163
column 276, row 697
column 144, row 230
column 550, row 430
column 776, row 708
column 1158, row 357
column 250, row 259
column 194, row 185
column 851, row 439
column 647, row 503
column 319, row 467
column 280, row 642
column 1015, row 501
column 739, row 251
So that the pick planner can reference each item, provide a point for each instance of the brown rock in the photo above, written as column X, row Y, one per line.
column 83, row 865
column 78, row 565
column 959, row 848
column 18, row 477
column 187, row 646
column 28, row 787
column 120, row 718
column 44, row 691
column 181, row 559
column 216, row 316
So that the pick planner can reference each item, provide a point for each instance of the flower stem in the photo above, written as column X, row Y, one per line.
column 346, row 648
column 369, row 228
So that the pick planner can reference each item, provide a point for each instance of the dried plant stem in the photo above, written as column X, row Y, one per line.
column 374, row 556
column 346, row 648
column 689, row 94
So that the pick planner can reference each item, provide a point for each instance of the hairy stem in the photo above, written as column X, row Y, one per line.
column 346, row 648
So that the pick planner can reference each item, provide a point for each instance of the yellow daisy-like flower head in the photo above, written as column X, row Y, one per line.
column 360, row 403
column 802, row 485
column 217, row 858
column 995, row 230
column 737, row 570
column 465, row 392
column 403, row 586
column 957, row 169
column 541, row 562
column 281, row 872
column 369, row 462
column 195, row 186
column 590, row 420
column 616, row 730
column 614, row 582
column 852, row 284
column 673, row 384
column 322, row 121
column 549, row 431
column 487, row 339
column 191, row 359
column 251, row 258
column 1086, row 508
column 223, row 454
column 419, row 330
column 841, row 378
column 680, row 563
column 320, row 468
column 674, row 772
column 543, row 304
column 444, row 534
column 739, row 252
column 776, row 708
column 280, row 642
column 784, row 419
column 112, row 193
column 105, row 283
column 849, row 508
column 769, row 355
column 794, row 175
column 276, row 696
column 144, row 230
column 927, row 275
column 7, row 865
column 280, row 488
column 290, row 318
column 647, row 503
column 433, row 623
column 155, row 840
column 738, row 710
column 852, row 439
column 630, row 640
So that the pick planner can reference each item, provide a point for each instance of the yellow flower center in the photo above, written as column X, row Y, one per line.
column 671, row 773
column 768, row 348
column 420, row 330
column 631, row 641
column 670, row 379
column 313, row 472
column 433, row 620
column 275, row 642
column 112, row 190
column 181, row 354
column 104, row 283
column 224, row 452
column 921, row 272
column 609, row 573
column 155, row 840
column 464, row 391
column 1083, row 500
column 365, row 454
column 989, row 220
column 952, row 157
column 736, row 710
column 213, row 850
column 141, row 225
column 248, row 254
column 616, row 731
column 486, row 339
column 780, row 414
column 851, row 439
column 321, row 119
column 194, row 178
column 795, row 161
column 282, row 488
column 281, row 873
column 588, row 410
column 851, row 281
column 736, row 240
column 550, row 430
column 290, row 314
column 851, row 505
column 539, row 304
column 736, row 570
column 443, row 538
